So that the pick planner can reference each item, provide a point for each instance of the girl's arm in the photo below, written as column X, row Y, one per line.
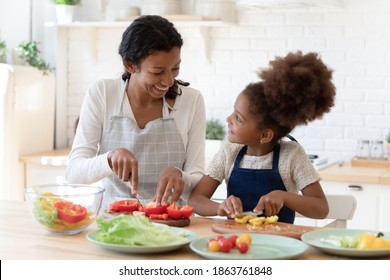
column 200, row 197
column 312, row 203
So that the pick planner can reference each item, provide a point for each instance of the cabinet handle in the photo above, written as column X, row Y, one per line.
column 354, row 188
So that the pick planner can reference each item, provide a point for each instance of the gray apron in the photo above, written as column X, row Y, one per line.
column 156, row 146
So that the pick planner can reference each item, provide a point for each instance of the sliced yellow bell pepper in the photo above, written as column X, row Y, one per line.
column 271, row 219
column 371, row 241
column 240, row 219
column 257, row 221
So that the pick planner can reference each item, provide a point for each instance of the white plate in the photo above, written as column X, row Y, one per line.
column 191, row 236
column 318, row 239
column 263, row 247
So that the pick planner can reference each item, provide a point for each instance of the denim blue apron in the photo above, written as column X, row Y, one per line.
column 251, row 184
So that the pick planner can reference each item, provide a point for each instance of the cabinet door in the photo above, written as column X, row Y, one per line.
column 385, row 211
column 368, row 196
column 37, row 174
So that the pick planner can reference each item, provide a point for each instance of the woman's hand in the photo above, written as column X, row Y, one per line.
column 170, row 182
column 271, row 203
column 230, row 207
column 125, row 166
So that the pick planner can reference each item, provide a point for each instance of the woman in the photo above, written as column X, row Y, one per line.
column 142, row 133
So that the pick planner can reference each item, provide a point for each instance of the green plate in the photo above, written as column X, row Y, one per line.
column 190, row 235
column 321, row 239
column 263, row 247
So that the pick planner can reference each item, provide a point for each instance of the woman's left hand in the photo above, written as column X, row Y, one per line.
column 170, row 183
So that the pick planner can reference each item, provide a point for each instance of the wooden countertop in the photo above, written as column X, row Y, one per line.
column 57, row 157
column 23, row 238
column 349, row 173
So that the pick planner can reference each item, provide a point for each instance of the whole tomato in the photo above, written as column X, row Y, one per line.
column 242, row 247
column 225, row 245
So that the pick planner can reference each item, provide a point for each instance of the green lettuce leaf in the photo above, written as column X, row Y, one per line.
column 45, row 216
column 136, row 230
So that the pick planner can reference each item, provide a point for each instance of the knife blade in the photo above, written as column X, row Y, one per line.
column 251, row 213
column 136, row 195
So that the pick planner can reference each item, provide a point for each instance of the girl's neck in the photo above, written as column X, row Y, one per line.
column 259, row 149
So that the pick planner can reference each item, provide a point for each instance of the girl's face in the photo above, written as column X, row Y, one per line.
column 156, row 73
column 242, row 125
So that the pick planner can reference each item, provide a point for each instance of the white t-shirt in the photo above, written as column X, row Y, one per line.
column 295, row 167
column 103, row 99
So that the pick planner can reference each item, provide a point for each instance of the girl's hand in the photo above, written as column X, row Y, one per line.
column 170, row 183
column 271, row 203
column 125, row 166
column 230, row 207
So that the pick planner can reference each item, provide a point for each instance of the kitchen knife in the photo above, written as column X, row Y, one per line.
column 136, row 195
column 251, row 213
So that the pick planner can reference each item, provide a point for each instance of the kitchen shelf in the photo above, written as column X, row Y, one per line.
column 177, row 20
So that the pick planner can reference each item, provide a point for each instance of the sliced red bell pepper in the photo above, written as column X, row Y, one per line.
column 176, row 212
column 153, row 208
column 125, row 206
column 158, row 216
column 69, row 212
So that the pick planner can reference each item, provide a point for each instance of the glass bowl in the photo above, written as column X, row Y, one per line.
column 64, row 208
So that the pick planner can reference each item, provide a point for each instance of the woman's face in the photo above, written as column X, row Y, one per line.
column 242, row 125
column 156, row 73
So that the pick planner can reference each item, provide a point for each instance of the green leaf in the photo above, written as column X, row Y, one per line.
column 132, row 230
column 29, row 51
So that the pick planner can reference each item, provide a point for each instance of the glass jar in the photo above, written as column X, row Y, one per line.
column 377, row 149
column 363, row 149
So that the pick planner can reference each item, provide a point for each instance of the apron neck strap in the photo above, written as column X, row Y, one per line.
column 275, row 157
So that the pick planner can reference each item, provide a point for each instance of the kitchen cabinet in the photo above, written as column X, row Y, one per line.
column 46, row 167
column 370, row 186
column 27, row 117
column 385, row 202
column 368, row 196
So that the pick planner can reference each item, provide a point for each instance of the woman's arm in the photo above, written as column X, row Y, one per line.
column 84, row 165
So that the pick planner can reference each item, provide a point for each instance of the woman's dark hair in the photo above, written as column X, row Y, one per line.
column 146, row 35
column 294, row 90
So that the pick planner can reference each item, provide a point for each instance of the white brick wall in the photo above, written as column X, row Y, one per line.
column 354, row 41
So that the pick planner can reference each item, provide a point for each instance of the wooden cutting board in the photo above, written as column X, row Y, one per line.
column 279, row 228
column 169, row 222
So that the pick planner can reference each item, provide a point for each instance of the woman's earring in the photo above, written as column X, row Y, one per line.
column 261, row 141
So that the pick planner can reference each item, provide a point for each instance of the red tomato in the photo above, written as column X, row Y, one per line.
column 225, row 245
column 179, row 212
column 232, row 239
column 153, row 208
column 126, row 205
column 158, row 216
column 243, row 247
column 69, row 212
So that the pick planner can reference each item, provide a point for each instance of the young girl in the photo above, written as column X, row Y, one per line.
column 262, row 171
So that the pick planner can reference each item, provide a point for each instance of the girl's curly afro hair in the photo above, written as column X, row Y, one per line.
column 295, row 90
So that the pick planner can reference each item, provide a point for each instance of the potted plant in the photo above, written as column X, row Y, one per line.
column 65, row 10
column 27, row 53
column 387, row 138
column 3, row 51
column 215, row 133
